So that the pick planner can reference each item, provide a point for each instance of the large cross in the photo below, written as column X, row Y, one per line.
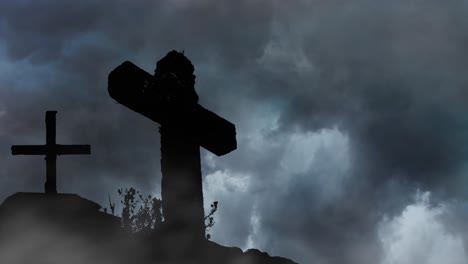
column 185, row 126
column 50, row 150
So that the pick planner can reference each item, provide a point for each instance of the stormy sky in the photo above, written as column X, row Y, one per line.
column 351, row 116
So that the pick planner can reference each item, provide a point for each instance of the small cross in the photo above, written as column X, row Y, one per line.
column 50, row 150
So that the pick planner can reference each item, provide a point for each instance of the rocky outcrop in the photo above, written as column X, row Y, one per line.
column 66, row 228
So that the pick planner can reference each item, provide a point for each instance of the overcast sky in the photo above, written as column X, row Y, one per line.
column 351, row 116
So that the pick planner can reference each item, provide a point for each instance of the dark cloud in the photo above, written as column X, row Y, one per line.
column 343, row 109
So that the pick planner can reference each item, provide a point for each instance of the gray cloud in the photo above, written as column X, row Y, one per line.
column 343, row 109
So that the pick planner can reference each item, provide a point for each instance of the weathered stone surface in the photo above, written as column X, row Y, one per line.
column 66, row 228
column 169, row 98
column 136, row 89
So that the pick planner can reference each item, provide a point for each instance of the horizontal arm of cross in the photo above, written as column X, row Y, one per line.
column 136, row 89
column 54, row 149
column 73, row 149
column 28, row 150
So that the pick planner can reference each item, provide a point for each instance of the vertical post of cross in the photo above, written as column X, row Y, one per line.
column 51, row 153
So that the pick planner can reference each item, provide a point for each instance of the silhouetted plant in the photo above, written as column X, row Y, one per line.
column 140, row 214
column 149, row 215
column 111, row 205
column 128, row 209
column 210, row 218
column 144, row 214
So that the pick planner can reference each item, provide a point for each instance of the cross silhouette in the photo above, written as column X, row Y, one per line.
column 50, row 150
column 169, row 99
